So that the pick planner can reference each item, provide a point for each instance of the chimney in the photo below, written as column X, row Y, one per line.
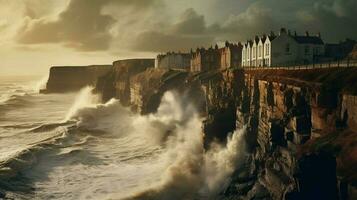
column 256, row 38
column 307, row 34
column 282, row 31
column 319, row 34
column 272, row 33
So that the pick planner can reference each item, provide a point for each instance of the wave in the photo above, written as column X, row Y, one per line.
column 49, row 126
column 14, row 93
column 27, row 157
column 41, row 84
column 173, row 135
column 84, row 99
column 190, row 171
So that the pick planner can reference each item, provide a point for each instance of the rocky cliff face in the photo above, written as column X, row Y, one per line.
column 147, row 88
column 66, row 79
column 116, row 83
column 300, row 125
column 299, row 134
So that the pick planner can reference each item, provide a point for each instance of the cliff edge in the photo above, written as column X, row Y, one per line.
column 71, row 78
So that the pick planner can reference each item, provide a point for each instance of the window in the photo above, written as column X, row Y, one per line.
column 307, row 50
column 316, row 51
column 267, row 50
column 287, row 48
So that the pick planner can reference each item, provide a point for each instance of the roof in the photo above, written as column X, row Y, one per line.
column 263, row 38
column 308, row 39
column 271, row 37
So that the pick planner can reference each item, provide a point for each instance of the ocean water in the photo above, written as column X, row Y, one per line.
column 71, row 146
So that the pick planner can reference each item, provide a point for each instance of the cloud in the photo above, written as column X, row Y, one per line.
column 335, row 19
column 190, row 23
column 257, row 19
column 189, row 31
column 81, row 26
column 160, row 42
column 3, row 24
column 163, row 25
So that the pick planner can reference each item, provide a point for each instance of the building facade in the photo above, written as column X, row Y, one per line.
column 205, row 59
column 340, row 50
column 231, row 55
column 247, row 54
column 173, row 60
column 283, row 50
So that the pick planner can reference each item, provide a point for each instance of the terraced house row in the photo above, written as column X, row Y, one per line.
column 282, row 49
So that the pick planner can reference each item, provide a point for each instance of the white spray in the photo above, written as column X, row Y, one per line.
column 84, row 99
column 188, row 172
column 41, row 84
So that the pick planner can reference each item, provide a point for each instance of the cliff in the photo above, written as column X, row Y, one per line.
column 301, row 125
column 71, row 78
column 116, row 84
column 147, row 88
column 301, row 134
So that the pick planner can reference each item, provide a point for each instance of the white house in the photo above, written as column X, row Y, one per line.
column 255, row 52
column 284, row 49
column 173, row 61
column 244, row 52
column 267, row 49
column 260, row 58
column 249, row 53
column 287, row 49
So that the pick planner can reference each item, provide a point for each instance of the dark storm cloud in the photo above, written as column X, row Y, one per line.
column 149, row 25
column 161, row 42
column 190, row 23
column 80, row 26
column 190, row 31
column 335, row 19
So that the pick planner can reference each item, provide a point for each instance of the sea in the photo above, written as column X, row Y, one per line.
column 73, row 146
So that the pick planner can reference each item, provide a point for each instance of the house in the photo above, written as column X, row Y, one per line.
column 260, row 57
column 231, row 55
column 205, row 59
column 339, row 51
column 247, row 54
column 254, row 60
column 310, row 48
column 353, row 53
column 244, row 55
column 267, row 49
column 284, row 49
column 173, row 60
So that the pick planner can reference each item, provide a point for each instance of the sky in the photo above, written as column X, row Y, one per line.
column 38, row 34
